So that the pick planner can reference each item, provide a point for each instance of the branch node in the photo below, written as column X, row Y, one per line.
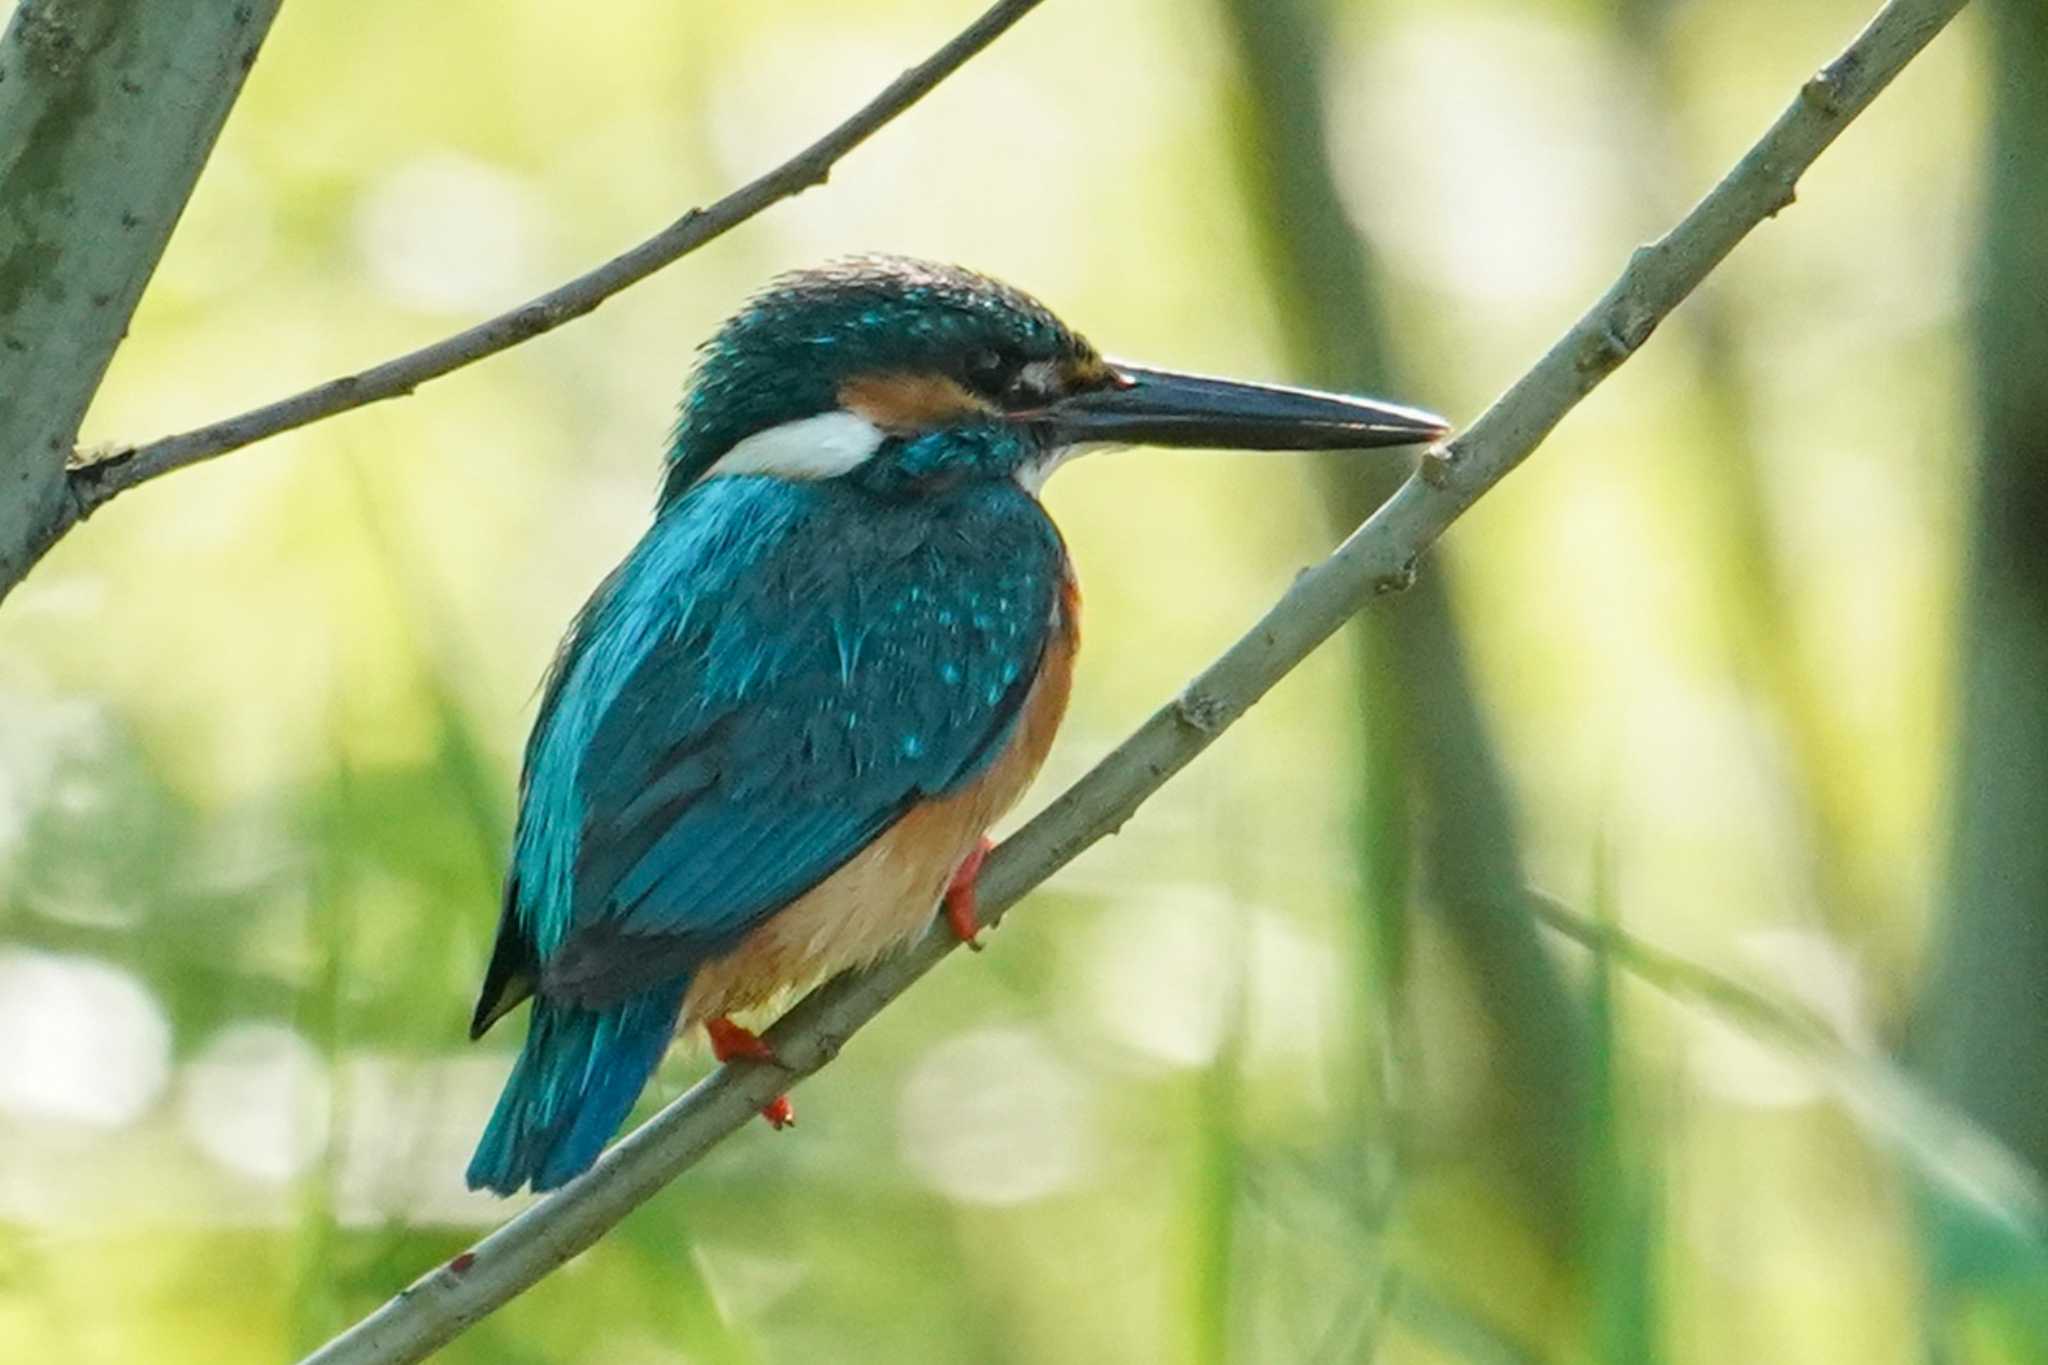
column 1620, row 332
column 47, row 40
column 80, row 495
column 1398, row 580
column 533, row 319
column 1822, row 92
column 1603, row 349
column 826, row 1046
column 85, row 475
column 1438, row 464
column 1201, row 711
column 94, row 457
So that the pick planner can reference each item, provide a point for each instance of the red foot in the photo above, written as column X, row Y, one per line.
column 959, row 901
column 730, row 1042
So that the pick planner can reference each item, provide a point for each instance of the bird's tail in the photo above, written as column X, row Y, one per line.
column 574, row 1082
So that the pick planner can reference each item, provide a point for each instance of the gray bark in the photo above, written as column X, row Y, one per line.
column 108, row 110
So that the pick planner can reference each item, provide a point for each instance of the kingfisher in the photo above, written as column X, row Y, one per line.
column 773, row 742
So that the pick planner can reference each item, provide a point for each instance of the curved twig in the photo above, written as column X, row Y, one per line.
column 1379, row 557
column 98, row 480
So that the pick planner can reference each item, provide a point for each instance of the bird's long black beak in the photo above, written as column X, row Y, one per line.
column 1160, row 407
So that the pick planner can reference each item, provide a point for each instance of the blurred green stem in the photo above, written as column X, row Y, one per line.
column 1984, row 1028
column 1220, row 1156
column 316, row 1296
column 1940, row 1144
column 1417, row 692
column 1733, row 495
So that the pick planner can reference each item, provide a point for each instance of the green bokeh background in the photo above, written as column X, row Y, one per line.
column 259, row 723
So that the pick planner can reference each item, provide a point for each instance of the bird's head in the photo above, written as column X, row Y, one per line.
column 910, row 377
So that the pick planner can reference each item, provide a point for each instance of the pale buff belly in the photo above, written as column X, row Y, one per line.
column 888, row 892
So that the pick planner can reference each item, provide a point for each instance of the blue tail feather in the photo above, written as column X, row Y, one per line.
column 573, row 1085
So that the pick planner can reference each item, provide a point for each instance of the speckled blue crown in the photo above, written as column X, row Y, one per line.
column 784, row 355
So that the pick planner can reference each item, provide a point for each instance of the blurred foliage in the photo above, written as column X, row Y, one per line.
column 1982, row 1033
column 1216, row 1096
column 1433, row 788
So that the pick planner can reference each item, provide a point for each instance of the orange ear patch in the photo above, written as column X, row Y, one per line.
column 903, row 403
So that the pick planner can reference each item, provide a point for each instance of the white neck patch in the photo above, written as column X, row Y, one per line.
column 1032, row 476
column 820, row 447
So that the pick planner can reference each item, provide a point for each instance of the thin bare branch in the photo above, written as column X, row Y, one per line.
column 99, row 480
column 1379, row 557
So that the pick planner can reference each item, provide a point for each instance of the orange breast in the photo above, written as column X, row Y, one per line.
column 886, row 894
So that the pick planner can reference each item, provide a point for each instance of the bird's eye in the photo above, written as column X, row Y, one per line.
column 986, row 369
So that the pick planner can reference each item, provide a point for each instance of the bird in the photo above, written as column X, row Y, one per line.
column 773, row 741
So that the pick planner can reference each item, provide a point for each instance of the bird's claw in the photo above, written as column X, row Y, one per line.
column 730, row 1042
column 959, row 901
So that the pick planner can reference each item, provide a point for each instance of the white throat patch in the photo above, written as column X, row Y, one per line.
column 1032, row 476
column 820, row 447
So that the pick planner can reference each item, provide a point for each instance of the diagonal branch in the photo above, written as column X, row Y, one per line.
column 98, row 481
column 1379, row 557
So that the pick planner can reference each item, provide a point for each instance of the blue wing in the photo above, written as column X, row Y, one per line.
column 774, row 677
